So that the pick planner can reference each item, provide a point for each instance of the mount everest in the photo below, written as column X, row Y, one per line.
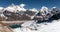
column 20, row 11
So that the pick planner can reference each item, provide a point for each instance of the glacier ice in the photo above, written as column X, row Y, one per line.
column 31, row 26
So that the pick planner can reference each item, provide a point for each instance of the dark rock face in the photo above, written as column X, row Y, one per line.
column 44, row 21
column 30, row 13
column 6, row 13
column 54, row 17
column 15, row 16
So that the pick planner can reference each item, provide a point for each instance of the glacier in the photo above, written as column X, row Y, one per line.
column 33, row 26
column 41, row 27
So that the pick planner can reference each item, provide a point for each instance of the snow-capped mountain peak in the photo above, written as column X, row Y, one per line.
column 33, row 9
column 44, row 10
column 20, row 8
column 54, row 7
column 11, row 8
column 1, row 8
column 14, row 8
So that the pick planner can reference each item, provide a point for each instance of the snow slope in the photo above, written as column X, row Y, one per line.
column 42, row 27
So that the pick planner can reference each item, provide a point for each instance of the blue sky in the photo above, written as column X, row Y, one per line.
column 31, row 3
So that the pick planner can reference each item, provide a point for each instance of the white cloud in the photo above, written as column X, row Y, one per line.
column 22, row 5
